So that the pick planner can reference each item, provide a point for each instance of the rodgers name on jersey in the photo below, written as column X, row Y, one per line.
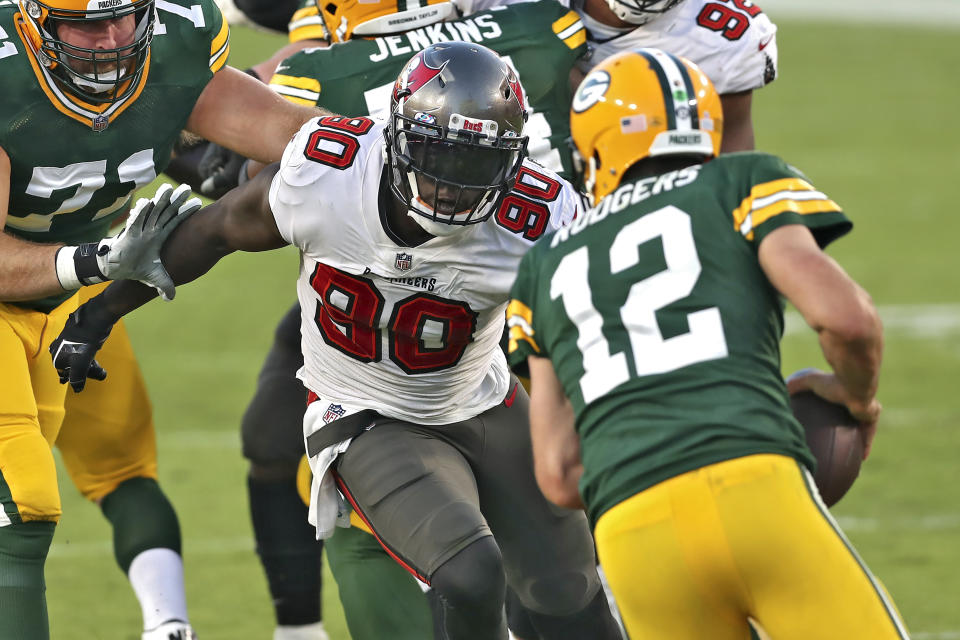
column 374, row 312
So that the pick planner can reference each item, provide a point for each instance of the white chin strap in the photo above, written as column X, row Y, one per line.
column 98, row 87
column 435, row 228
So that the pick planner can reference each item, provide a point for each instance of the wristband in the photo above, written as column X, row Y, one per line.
column 77, row 266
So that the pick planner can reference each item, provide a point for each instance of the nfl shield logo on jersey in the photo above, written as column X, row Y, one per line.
column 404, row 261
column 333, row 412
column 100, row 123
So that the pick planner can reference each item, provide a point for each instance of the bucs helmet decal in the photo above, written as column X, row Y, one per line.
column 415, row 75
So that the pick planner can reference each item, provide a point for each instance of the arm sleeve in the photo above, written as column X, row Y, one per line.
column 220, row 44
column 780, row 195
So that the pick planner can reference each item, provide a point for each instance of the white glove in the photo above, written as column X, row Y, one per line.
column 134, row 253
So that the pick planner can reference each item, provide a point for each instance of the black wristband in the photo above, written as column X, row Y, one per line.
column 85, row 262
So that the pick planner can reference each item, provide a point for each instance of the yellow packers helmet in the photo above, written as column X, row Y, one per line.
column 96, row 75
column 640, row 104
column 347, row 18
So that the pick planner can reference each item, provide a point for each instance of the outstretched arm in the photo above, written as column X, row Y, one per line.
column 842, row 314
column 241, row 220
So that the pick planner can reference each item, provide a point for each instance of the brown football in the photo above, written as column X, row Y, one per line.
column 834, row 440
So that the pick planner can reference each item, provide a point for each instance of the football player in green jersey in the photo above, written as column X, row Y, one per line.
column 94, row 96
column 651, row 328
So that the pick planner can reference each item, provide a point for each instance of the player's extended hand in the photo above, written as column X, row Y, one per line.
column 134, row 253
column 221, row 170
column 828, row 386
column 73, row 351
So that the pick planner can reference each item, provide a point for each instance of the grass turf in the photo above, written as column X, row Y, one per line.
column 871, row 123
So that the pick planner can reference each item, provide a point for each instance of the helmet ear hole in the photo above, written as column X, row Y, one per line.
column 330, row 8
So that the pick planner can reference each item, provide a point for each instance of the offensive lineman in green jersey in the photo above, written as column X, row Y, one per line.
column 94, row 95
column 543, row 41
column 651, row 329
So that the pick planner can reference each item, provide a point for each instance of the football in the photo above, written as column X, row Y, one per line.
column 834, row 440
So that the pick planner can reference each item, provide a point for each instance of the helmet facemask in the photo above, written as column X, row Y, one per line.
column 449, row 175
column 454, row 138
column 97, row 76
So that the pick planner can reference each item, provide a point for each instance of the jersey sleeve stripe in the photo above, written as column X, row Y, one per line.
column 305, row 91
column 765, row 190
column 520, row 323
column 306, row 24
column 759, row 216
column 222, row 37
column 570, row 29
column 220, row 48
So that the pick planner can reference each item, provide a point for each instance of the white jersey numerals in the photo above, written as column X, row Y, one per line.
column 7, row 48
column 87, row 177
column 652, row 354
column 193, row 13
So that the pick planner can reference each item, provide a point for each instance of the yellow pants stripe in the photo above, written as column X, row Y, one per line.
column 888, row 605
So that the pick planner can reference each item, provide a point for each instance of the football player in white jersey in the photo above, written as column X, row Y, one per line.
column 732, row 41
column 410, row 232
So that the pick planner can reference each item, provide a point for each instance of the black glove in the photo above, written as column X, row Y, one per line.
column 74, row 349
column 221, row 171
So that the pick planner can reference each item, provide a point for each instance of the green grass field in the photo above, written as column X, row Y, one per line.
column 869, row 113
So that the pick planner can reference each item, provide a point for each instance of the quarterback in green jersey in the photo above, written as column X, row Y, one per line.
column 651, row 329
column 94, row 95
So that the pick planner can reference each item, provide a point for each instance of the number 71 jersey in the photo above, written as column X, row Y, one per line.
column 411, row 332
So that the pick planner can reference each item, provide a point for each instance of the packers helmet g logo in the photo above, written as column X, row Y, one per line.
column 591, row 90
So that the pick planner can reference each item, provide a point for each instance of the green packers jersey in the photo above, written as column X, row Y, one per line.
column 542, row 40
column 76, row 165
column 661, row 325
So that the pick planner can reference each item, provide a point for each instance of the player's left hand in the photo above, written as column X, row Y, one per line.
column 74, row 350
column 134, row 253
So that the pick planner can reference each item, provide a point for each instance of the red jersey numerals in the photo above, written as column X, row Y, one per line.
column 410, row 318
column 524, row 209
column 335, row 143
column 731, row 21
column 349, row 312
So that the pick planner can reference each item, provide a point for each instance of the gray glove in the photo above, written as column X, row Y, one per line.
column 134, row 253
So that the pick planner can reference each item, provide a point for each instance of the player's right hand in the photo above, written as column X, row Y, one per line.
column 74, row 350
column 221, row 170
column 828, row 386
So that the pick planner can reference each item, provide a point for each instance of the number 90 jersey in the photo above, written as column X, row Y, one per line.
column 662, row 326
column 412, row 333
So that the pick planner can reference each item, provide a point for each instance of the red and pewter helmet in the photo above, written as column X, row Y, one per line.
column 455, row 137
column 97, row 76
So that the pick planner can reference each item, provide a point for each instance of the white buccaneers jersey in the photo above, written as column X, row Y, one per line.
column 412, row 333
column 732, row 41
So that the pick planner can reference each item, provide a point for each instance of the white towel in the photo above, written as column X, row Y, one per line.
column 328, row 508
